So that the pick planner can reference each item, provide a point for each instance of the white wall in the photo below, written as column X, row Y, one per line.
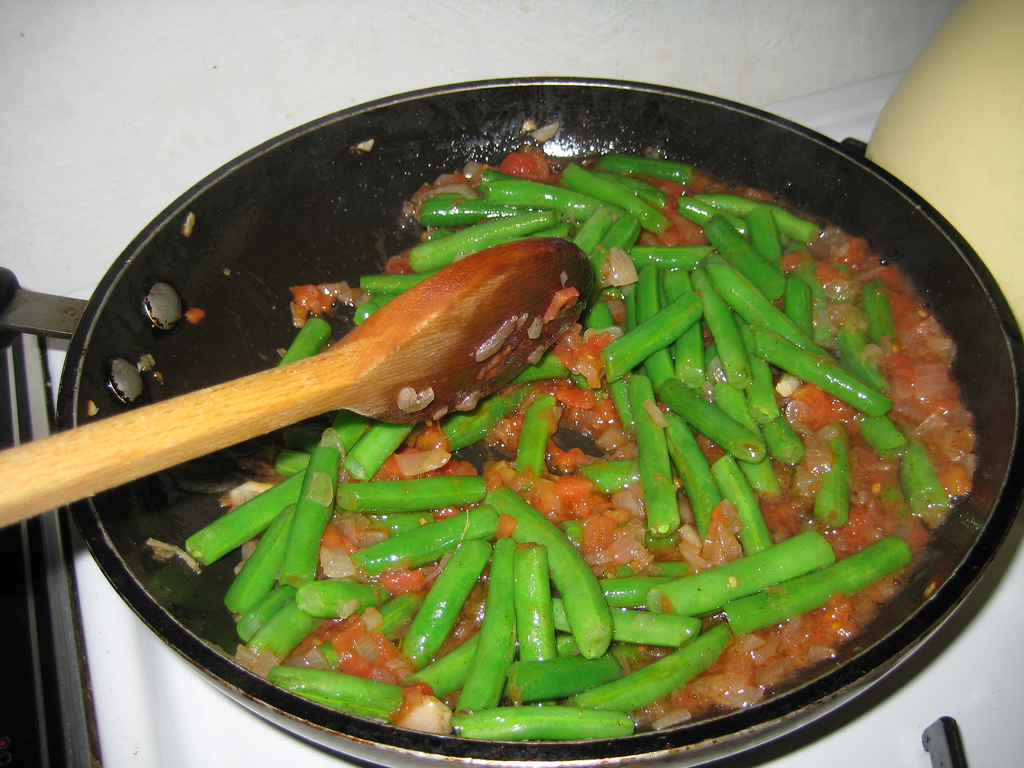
column 109, row 110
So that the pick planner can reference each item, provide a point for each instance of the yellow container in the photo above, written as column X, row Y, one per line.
column 953, row 131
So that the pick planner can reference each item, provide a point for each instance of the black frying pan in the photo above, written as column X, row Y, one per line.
column 309, row 207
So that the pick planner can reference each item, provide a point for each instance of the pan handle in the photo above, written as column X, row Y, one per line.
column 40, row 314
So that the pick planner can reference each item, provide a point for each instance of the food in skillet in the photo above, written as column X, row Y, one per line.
column 709, row 484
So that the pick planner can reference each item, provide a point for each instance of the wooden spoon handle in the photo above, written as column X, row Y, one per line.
column 111, row 451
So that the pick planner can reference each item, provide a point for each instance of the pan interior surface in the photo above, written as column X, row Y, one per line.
column 311, row 207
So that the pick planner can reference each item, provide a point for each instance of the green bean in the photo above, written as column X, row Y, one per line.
column 391, row 284
column 559, row 677
column 673, row 567
column 535, row 627
column 783, row 442
column 488, row 673
column 311, row 338
column 284, row 630
column 688, row 349
column 805, row 593
column 549, row 367
column 708, row 590
column 289, row 462
column 368, row 455
column 659, row 679
column 636, row 345
column 260, row 612
column 436, row 233
column 563, row 230
column 623, row 233
column 599, row 316
column 693, row 470
column 850, row 342
column 761, row 400
column 646, row 166
column 612, row 475
column 567, row 645
column 535, row 194
column 436, row 617
column 760, row 474
column 875, row 302
column 788, row 223
column 397, row 612
column 412, row 495
column 750, row 304
column 660, row 500
column 884, row 436
column 244, row 522
column 590, row 233
column 448, row 673
column 799, row 305
column 428, row 542
column 619, row 390
column 921, row 486
column 650, row 194
column 468, row 427
column 397, row 523
column 258, row 574
column 659, row 365
column 338, row 598
column 629, row 591
column 764, row 235
column 586, row 182
column 573, row 531
column 722, row 324
column 368, row 698
column 537, row 723
column 832, row 499
column 670, row 256
column 368, row 307
column 539, row 424
column 754, row 534
column 712, row 422
column 822, row 371
column 350, row 427
column 435, row 254
column 702, row 213
column 640, row 627
column 454, row 210
column 585, row 606
column 740, row 254
column 312, row 511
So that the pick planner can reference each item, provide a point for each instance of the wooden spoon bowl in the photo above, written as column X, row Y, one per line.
column 442, row 345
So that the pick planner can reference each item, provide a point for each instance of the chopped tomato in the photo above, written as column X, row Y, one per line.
column 811, row 405
column 312, row 298
column 598, row 533
column 794, row 260
column 564, row 297
column 506, row 526
column 852, row 251
column 529, row 165
column 407, row 580
column 576, row 398
column 195, row 315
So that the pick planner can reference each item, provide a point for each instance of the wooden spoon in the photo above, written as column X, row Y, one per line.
column 440, row 346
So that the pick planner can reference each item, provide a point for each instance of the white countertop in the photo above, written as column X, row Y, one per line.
column 113, row 109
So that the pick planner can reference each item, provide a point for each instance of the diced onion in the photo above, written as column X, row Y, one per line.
column 427, row 715
column 655, row 413
column 259, row 663
column 415, row 463
column 336, row 563
column 618, row 269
